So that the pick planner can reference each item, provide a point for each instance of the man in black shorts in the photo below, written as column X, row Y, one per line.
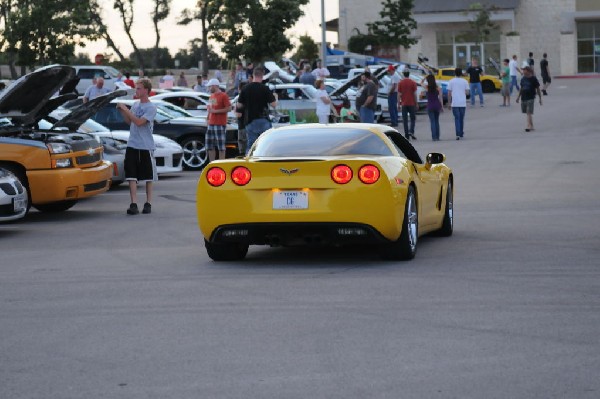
column 546, row 79
column 139, row 163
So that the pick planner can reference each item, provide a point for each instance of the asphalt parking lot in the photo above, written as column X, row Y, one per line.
column 96, row 303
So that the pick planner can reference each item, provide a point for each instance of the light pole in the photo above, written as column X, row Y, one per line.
column 323, row 40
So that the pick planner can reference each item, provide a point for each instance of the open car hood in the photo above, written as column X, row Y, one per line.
column 83, row 112
column 26, row 101
column 379, row 72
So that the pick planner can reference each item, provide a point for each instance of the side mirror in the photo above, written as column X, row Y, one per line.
column 435, row 158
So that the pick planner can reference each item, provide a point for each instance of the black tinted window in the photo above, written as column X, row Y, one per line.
column 320, row 142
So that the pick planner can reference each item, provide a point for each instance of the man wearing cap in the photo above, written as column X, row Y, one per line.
column 218, row 107
column 529, row 87
column 392, row 90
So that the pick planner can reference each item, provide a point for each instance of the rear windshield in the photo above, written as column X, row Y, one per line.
column 320, row 142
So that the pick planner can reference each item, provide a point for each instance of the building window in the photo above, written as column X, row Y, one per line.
column 588, row 47
column 456, row 49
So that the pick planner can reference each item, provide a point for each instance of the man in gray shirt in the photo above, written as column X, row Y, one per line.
column 139, row 162
column 95, row 90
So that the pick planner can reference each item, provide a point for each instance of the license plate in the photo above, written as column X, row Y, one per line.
column 290, row 200
column 20, row 203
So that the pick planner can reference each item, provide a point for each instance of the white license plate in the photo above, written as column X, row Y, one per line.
column 290, row 200
column 20, row 203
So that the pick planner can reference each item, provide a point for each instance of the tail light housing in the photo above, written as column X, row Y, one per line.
column 216, row 177
column 341, row 174
column 368, row 174
column 241, row 175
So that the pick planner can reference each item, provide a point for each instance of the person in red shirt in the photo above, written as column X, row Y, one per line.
column 128, row 81
column 218, row 107
column 408, row 99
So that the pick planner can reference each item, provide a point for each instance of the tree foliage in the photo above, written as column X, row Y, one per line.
column 395, row 25
column 482, row 25
column 307, row 49
column 43, row 31
column 360, row 42
column 255, row 29
column 163, row 60
column 125, row 9
column 188, row 58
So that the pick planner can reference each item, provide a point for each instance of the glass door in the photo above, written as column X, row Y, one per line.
column 464, row 52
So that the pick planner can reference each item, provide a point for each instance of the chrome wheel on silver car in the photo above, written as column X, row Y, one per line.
column 195, row 156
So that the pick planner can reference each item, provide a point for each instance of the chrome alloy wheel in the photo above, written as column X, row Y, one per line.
column 194, row 153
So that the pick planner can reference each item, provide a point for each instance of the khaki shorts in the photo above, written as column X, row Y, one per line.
column 505, row 89
column 527, row 106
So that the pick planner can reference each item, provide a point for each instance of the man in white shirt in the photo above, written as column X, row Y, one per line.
column 513, row 66
column 320, row 72
column 392, row 90
column 457, row 101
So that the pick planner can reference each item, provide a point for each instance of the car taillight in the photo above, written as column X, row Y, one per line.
column 341, row 174
column 216, row 177
column 368, row 174
column 241, row 175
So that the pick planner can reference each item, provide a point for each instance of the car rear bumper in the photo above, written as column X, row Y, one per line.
column 53, row 185
column 297, row 234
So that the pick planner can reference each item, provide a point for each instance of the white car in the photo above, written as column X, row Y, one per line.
column 13, row 197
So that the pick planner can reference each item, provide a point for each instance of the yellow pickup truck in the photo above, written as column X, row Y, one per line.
column 58, row 168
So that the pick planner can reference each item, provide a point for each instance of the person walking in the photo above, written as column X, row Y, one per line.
column 254, row 101
column 392, row 91
column 529, row 87
column 139, row 160
column 546, row 78
column 407, row 88
column 531, row 62
column 182, row 81
column 457, row 101
column 514, row 69
column 95, row 90
column 435, row 103
column 218, row 107
column 323, row 102
column 475, row 73
column 505, row 75
column 366, row 102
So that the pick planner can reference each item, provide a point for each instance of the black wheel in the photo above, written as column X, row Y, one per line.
column 487, row 86
column 54, row 207
column 405, row 248
column 22, row 176
column 448, row 223
column 226, row 251
column 195, row 156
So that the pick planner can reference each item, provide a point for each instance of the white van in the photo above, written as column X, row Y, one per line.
column 86, row 74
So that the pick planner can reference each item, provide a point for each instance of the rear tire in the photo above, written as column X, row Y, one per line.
column 226, row 251
column 487, row 86
column 405, row 248
column 55, row 207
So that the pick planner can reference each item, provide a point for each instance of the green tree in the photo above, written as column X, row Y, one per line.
column 162, row 9
column 30, row 37
column 482, row 25
column 359, row 43
column 255, row 29
column 164, row 59
column 395, row 25
column 206, row 11
column 307, row 49
column 188, row 58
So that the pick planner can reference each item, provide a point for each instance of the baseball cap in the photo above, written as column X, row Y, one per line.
column 391, row 68
column 214, row 82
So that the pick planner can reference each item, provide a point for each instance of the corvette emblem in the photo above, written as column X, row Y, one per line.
column 289, row 171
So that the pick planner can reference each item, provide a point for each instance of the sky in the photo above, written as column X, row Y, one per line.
column 175, row 37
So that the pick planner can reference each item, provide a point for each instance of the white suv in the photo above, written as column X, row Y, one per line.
column 86, row 74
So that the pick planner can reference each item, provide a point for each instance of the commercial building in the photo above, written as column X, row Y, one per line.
column 567, row 30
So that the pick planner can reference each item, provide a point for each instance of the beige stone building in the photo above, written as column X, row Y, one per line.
column 567, row 30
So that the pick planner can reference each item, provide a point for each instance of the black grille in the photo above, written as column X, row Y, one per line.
column 94, row 186
column 160, row 161
column 7, row 210
column 88, row 159
column 8, row 188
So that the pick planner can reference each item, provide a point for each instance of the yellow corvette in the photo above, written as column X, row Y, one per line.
column 489, row 83
column 320, row 184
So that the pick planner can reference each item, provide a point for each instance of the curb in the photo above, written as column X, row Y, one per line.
column 582, row 76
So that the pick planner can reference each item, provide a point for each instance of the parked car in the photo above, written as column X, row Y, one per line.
column 13, row 197
column 188, row 131
column 87, row 73
column 58, row 168
column 321, row 184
